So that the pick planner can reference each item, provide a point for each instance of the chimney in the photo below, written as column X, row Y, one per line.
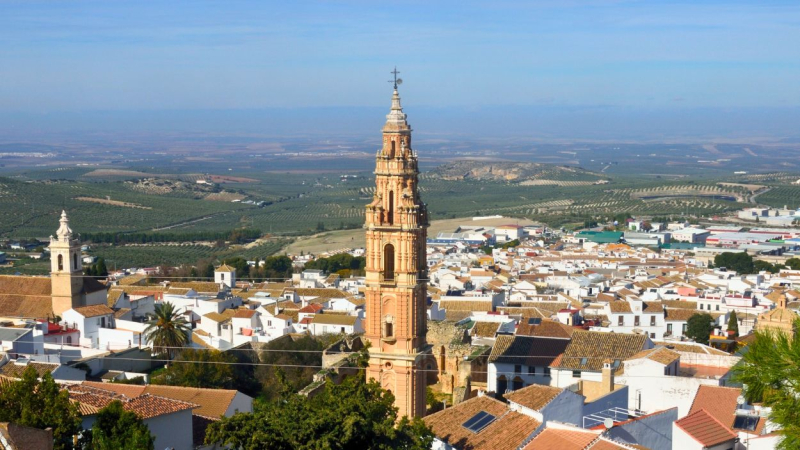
column 607, row 383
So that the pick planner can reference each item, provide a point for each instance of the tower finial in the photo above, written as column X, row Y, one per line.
column 395, row 72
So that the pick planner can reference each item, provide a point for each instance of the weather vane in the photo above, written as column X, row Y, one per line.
column 396, row 80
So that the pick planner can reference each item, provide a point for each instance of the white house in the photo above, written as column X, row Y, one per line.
column 519, row 361
column 225, row 275
column 334, row 324
column 88, row 320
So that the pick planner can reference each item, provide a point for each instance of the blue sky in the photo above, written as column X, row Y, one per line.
column 59, row 56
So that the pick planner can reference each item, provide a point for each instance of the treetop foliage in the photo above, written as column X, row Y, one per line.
column 352, row 415
column 770, row 373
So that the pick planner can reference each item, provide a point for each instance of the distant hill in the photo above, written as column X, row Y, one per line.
column 525, row 173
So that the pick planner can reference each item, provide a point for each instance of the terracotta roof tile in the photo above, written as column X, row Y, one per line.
column 14, row 370
column 216, row 317
column 721, row 403
column 508, row 431
column 535, row 396
column 145, row 405
column 466, row 305
column 658, row 354
column 94, row 310
column 22, row 296
column 546, row 328
column 334, row 319
column 244, row 313
column 705, row 429
column 527, row 350
column 562, row 439
column 588, row 349
column 207, row 402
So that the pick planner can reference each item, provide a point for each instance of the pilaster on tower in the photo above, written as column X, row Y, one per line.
column 396, row 270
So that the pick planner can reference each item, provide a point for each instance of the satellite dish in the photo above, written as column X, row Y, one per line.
column 608, row 423
column 399, row 81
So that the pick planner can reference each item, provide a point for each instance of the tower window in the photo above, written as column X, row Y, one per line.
column 391, row 153
column 390, row 217
column 74, row 261
column 388, row 262
column 388, row 327
column 60, row 262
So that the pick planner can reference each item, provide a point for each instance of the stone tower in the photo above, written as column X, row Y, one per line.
column 396, row 270
column 66, row 271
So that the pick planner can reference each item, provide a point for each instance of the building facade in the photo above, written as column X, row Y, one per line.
column 396, row 270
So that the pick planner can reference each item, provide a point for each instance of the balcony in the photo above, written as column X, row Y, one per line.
column 390, row 280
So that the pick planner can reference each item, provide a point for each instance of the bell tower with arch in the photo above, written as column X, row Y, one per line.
column 66, row 269
column 396, row 269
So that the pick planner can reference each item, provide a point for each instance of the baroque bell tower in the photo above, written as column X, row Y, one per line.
column 396, row 269
column 66, row 269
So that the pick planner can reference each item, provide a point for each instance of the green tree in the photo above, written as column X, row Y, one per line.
column 298, row 359
column 100, row 269
column 209, row 369
column 740, row 262
column 41, row 404
column 167, row 331
column 117, row 429
column 354, row 414
column 699, row 327
column 760, row 265
column 770, row 374
column 733, row 324
column 793, row 263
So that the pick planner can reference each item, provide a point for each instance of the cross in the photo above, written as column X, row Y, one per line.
column 394, row 72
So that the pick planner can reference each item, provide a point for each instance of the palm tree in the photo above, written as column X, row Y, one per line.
column 167, row 330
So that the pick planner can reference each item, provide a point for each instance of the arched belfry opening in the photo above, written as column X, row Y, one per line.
column 390, row 218
column 388, row 262
column 74, row 261
column 391, row 152
column 60, row 262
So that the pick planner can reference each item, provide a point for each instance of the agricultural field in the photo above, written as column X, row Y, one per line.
column 303, row 204
column 152, row 255
column 780, row 196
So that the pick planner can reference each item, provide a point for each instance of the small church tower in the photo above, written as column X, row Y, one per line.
column 66, row 270
column 225, row 275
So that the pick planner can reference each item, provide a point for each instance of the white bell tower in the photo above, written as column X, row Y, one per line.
column 66, row 270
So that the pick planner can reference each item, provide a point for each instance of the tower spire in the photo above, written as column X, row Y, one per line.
column 395, row 72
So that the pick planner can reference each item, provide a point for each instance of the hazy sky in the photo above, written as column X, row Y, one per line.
column 112, row 55
column 81, row 56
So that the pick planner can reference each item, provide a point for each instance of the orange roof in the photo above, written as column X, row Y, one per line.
column 208, row 402
column 244, row 313
column 94, row 310
column 562, row 439
column 705, row 429
column 721, row 403
column 508, row 430
column 535, row 396
column 145, row 406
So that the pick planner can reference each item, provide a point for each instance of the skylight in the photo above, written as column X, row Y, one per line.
column 745, row 423
column 534, row 321
column 479, row 421
column 584, row 361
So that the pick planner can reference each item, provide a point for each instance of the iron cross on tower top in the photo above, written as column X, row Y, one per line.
column 396, row 80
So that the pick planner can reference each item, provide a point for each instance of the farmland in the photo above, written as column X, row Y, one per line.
column 151, row 255
column 304, row 204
